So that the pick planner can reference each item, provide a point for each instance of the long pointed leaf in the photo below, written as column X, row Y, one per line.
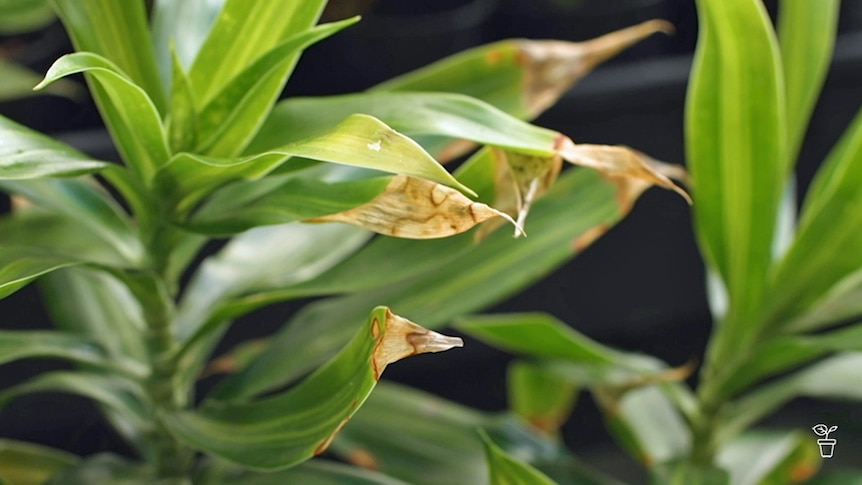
column 294, row 426
column 736, row 151
column 30, row 464
column 504, row 469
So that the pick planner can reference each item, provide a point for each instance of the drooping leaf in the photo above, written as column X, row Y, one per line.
column 413, row 208
column 242, row 32
column 542, row 397
column 806, row 34
column 121, row 395
column 358, row 141
column 293, row 426
column 233, row 116
column 129, row 112
column 504, row 469
column 18, row 82
column 579, row 202
column 119, row 33
column 736, row 152
column 93, row 303
column 770, row 458
column 31, row 464
column 521, row 77
column 809, row 273
column 20, row 266
column 82, row 201
column 27, row 154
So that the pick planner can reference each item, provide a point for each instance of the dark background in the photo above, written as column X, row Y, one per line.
column 640, row 287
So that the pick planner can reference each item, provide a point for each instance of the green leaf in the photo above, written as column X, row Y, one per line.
column 27, row 154
column 440, row 114
column 358, row 141
column 425, row 440
column 504, row 469
column 233, row 116
column 806, row 33
column 243, row 32
column 298, row 198
column 577, row 204
column 31, row 464
column 19, row 16
column 736, row 152
column 836, row 377
column 119, row 33
column 84, row 202
column 521, row 77
column 542, row 397
column 108, row 468
column 770, row 458
column 830, row 219
column 839, row 477
column 787, row 352
column 129, row 112
column 537, row 335
column 685, row 473
column 20, row 266
column 96, row 304
column 121, row 395
column 182, row 121
column 293, row 426
column 16, row 345
column 312, row 472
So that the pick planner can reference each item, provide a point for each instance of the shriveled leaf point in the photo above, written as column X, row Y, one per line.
column 552, row 67
column 414, row 208
column 632, row 170
column 402, row 338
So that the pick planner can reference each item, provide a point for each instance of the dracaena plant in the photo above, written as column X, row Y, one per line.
column 298, row 188
column 784, row 288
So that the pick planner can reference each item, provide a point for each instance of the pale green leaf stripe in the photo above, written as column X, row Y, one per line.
column 182, row 121
column 358, row 141
column 505, row 469
column 536, row 335
column 806, row 33
column 293, row 426
column 826, row 248
column 118, row 32
column 494, row 269
column 230, row 120
column 22, row 462
column 185, row 25
column 413, row 113
column 242, row 32
column 735, row 140
column 27, row 154
column 137, row 129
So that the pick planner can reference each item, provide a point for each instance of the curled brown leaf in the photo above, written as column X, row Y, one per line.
column 414, row 208
column 402, row 338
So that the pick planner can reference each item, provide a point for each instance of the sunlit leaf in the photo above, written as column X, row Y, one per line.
column 736, row 152
column 119, row 33
column 183, row 24
column 129, row 112
column 18, row 82
column 293, row 426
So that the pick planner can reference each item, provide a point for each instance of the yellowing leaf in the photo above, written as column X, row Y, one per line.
column 415, row 208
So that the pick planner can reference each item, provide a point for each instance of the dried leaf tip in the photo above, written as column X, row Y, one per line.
column 402, row 338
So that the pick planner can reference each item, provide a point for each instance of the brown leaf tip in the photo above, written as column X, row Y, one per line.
column 402, row 338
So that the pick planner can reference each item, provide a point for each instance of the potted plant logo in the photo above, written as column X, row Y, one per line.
column 827, row 445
